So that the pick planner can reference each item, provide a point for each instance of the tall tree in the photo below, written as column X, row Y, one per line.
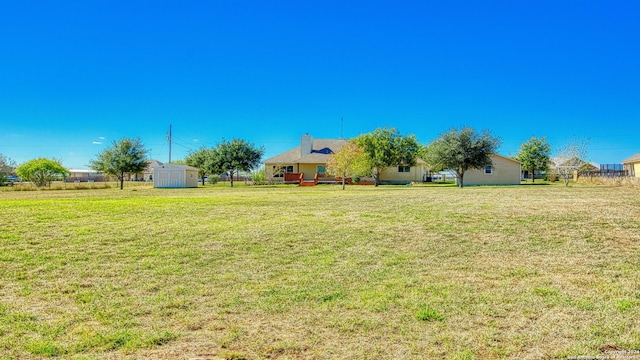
column 126, row 156
column 351, row 160
column 386, row 147
column 42, row 171
column 570, row 158
column 236, row 155
column 461, row 150
column 534, row 155
column 204, row 160
column 6, row 167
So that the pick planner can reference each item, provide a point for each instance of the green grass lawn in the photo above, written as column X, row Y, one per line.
column 318, row 273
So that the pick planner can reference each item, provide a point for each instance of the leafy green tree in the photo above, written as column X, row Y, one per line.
column 6, row 167
column 535, row 155
column 236, row 155
column 204, row 160
column 42, row 171
column 386, row 147
column 126, row 156
column 461, row 150
column 351, row 160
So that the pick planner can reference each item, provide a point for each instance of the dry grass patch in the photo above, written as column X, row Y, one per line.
column 289, row 272
column 611, row 181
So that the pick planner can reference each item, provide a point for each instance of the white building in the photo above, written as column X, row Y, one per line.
column 175, row 176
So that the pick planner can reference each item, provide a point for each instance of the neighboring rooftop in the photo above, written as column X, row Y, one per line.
column 633, row 159
column 151, row 164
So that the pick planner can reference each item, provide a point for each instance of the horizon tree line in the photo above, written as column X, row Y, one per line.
column 457, row 150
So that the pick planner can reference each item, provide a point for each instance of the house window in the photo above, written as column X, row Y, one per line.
column 405, row 169
column 320, row 169
column 279, row 171
column 488, row 169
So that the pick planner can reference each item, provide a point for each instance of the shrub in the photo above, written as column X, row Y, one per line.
column 259, row 176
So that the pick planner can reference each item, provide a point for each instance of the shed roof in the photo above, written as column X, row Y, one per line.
column 175, row 167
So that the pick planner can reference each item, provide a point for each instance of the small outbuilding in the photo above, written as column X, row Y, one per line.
column 175, row 176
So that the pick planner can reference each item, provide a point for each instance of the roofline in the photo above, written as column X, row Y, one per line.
column 632, row 159
column 505, row 157
column 185, row 167
column 83, row 170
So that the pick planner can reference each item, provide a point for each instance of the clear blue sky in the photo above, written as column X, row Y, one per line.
column 77, row 75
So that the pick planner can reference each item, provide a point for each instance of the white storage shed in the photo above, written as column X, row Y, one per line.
column 175, row 176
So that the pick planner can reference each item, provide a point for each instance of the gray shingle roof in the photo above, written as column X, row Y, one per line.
column 319, row 153
column 321, row 150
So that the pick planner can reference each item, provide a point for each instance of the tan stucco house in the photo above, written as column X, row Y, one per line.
column 175, row 176
column 632, row 165
column 503, row 171
column 306, row 164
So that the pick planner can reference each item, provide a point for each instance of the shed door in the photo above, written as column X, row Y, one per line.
column 170, row 178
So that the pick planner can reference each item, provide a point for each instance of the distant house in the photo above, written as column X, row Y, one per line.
column 147, row 174
column 571, row 167
column 503, row 171
column 306, row 160
column 309, row 161
column 632, row 165
column 148, row 171
column 573, row 163
column 174, row 176
column 84, row 175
